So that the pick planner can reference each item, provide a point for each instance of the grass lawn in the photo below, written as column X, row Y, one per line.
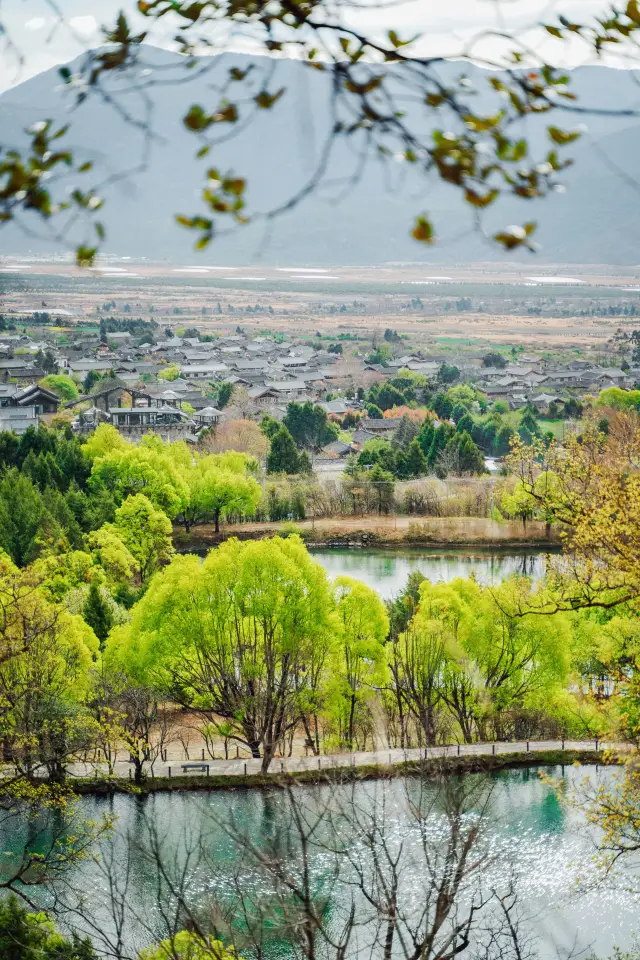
column 559, row 428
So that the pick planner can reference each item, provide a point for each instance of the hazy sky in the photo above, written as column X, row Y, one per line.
column 37, row 40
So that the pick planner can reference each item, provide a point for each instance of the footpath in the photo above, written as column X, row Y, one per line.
column 204, row 766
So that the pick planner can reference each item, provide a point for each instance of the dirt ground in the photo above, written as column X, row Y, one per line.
column 301, row 301
column 383, row 530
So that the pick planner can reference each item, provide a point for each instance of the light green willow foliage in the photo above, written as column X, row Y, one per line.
column 245, row 634
column 360, row 667
column 480, row 656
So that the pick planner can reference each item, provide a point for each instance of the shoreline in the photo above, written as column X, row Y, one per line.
column 450, row 766
column 383, row 532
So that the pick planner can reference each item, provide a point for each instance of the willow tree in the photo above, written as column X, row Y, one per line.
column 359, row 668
column 46, row 660
column 233, row 637
column 218, row 486
column 418, row 657
column 151, row 468
column 46, row 655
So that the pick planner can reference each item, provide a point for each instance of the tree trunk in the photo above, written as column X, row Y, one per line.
column 352, row 711
column 216, row 517
column 267, row 756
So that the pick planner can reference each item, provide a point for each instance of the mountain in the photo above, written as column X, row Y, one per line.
column 350, row 219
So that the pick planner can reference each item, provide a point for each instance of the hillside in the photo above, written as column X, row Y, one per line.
column 344, row 223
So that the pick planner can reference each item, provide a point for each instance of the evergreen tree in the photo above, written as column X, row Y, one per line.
column 62, row 524
column 309, row 425
column 97, row 613
column 440, row 439
column 442, row 406
column 269, row 425
column 283, row 455
column 425, row 436
column 305, row 465
column 9, row 449
column 223, row 395
column 406, row 432
column 382, row 482
column 462, row 455
column 22, row 517
column 503, row 441
column 466, row 422
column 415, row 460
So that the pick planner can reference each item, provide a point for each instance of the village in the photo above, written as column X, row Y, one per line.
column 151, row 379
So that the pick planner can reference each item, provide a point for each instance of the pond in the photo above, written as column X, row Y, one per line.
column 386, row 570
column 533, row 842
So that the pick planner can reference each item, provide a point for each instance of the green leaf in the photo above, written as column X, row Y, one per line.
column 423, row 230
column 85, row 256
column 266, row 100
column 480, row 200
column 554, row 31
column 562, row 136
column 196, row 118
column 633, row 11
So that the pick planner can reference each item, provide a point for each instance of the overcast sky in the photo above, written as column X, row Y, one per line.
column 37, row 40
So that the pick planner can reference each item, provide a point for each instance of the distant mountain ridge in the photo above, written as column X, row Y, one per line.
column 595, row 221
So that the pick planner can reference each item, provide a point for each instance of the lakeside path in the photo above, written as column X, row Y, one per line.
column 450, row 531
column 344, row 761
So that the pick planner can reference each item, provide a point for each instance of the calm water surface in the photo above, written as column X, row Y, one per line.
column 387, row 570
column 546, row 851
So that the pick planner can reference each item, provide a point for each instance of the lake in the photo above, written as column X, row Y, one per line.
column 534, row 842
column 387, row 570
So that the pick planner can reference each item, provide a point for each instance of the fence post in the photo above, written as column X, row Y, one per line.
column 563, row 743
column 245, row 768
column 596, row 744
column 458, row 749
column 203, row 753
column 493, row 749
column 169, row 771
column 528, row 751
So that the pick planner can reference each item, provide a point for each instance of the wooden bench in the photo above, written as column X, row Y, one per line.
column 195, row 766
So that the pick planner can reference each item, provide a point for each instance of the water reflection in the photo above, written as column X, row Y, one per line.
column 387, row 570
column 548, row 851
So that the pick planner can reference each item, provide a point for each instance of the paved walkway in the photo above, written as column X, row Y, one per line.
column 242, row 767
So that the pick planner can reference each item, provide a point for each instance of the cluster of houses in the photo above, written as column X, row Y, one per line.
column 532, row 381
column 529, row 380
column 272, row 371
